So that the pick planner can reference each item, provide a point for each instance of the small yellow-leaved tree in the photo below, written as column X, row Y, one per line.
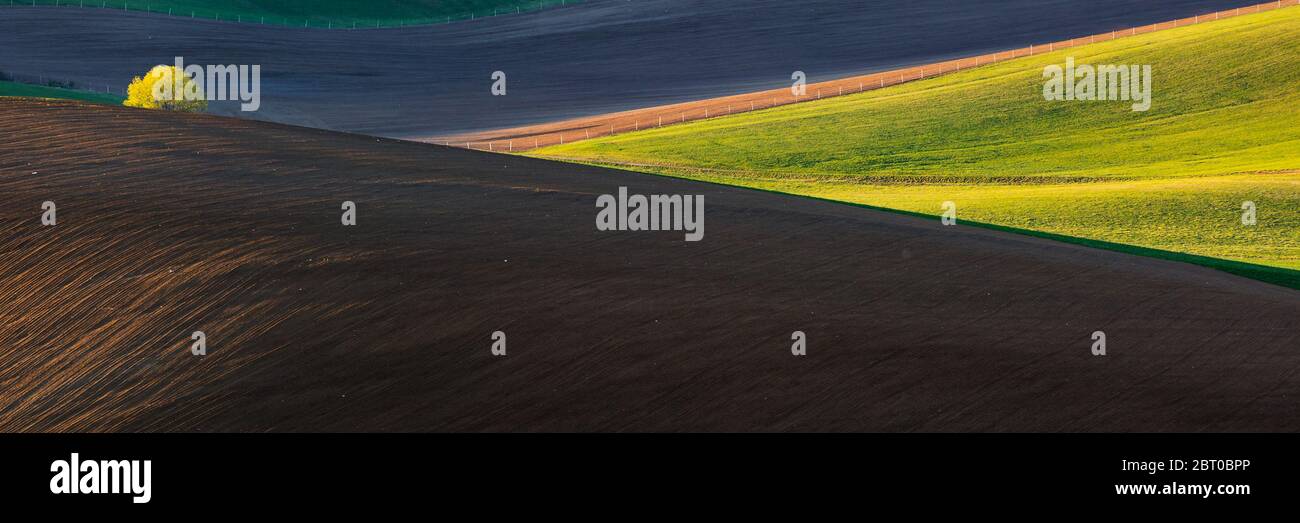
column 168, row 88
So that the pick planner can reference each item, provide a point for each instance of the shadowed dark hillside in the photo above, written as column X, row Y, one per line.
column 171, row 223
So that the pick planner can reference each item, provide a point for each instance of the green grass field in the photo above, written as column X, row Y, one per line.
column 1168, row 182
column 39, row 91
column 319, row 13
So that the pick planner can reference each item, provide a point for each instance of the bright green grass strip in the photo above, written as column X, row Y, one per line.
column 1225, row 100
column 1167, row 182
column 1192, row 220
column 320, row 13
column 39, row 91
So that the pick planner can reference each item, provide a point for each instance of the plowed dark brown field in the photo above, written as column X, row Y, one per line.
column 169, row 224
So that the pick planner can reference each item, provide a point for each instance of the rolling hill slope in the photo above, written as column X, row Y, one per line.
column 1170, row 181
column 174, row 223
column 606, row 55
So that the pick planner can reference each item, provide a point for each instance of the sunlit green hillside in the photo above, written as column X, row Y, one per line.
column 1222, row 130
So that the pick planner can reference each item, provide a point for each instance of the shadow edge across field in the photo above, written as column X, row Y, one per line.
column 1279, row 276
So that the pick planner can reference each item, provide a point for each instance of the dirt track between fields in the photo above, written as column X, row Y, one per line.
column 599, row 58
column 170, row 223
column 568, row 131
